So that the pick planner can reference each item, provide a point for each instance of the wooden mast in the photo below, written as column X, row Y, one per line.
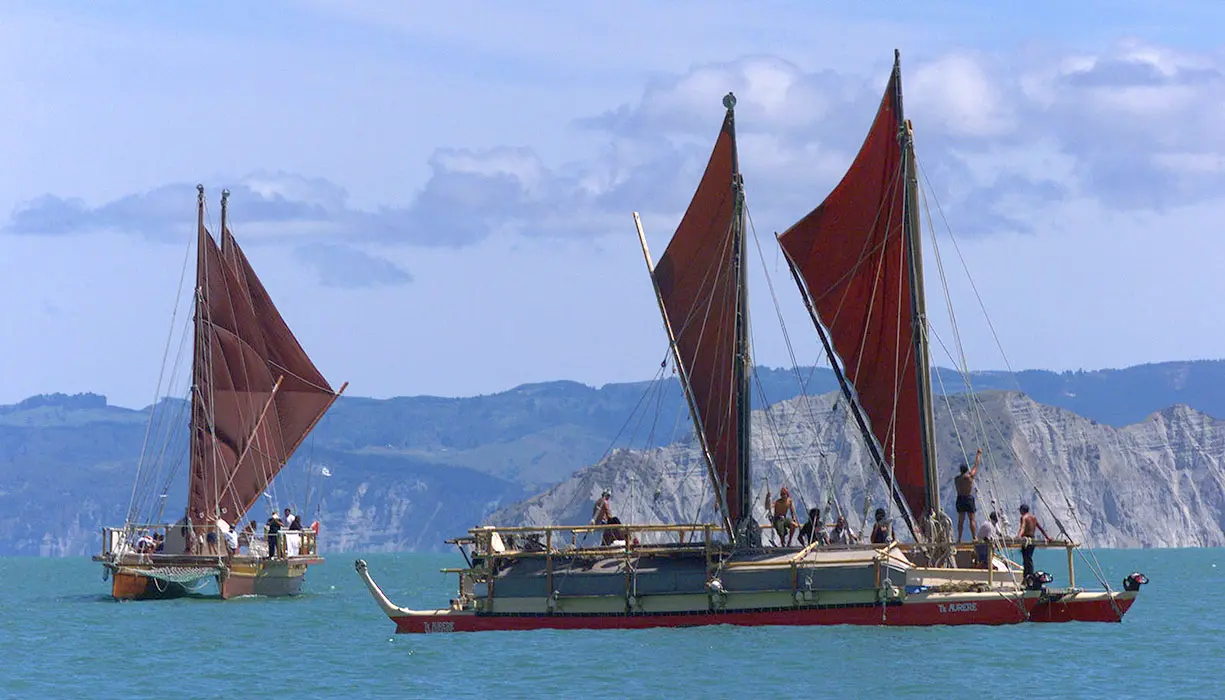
column 198, row 360
column 918, row 304
column 746, row 532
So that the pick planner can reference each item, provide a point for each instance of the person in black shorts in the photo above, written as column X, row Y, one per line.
column 965, row 495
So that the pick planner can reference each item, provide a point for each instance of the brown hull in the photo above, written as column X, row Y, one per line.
column 272, row 579
column 240, row 576
column 125, row 586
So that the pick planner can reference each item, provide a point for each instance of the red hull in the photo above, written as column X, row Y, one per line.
column 1081, row 608
column 994, row 612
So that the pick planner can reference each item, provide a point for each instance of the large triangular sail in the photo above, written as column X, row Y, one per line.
column 701, row 288
column 857, row 258
column 256, row 394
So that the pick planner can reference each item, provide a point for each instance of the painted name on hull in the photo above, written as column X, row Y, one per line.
column 957, row 607
column 431, row 627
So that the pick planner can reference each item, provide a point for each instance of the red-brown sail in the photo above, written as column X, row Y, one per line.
column 851, row 252
column 231, row 390
column 304, row 394
column 257, row 393
column 697, row 284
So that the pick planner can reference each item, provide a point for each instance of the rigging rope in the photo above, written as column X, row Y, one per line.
column 1086, row 550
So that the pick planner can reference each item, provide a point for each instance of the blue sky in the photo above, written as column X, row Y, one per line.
column 438, row 196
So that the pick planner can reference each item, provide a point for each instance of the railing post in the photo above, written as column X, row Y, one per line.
column 1071, row 570
column 548, row 563
column 991, row 562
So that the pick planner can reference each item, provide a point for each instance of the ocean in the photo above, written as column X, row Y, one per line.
column 61, row 636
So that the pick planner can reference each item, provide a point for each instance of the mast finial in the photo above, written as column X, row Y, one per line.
column 225, row 194
column 200, row 190
column 729, row 101
column 897, row 56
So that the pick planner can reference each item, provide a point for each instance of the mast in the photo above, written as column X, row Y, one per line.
column 746, row 529
column 225, row 205
column 918, row 304
column 198, row 361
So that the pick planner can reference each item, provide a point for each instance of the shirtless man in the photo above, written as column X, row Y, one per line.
column 602, row 512
column 782, row 516
column 1029, row 524
column 965, row 495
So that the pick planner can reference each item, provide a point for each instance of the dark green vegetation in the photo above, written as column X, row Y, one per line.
column 407, row 472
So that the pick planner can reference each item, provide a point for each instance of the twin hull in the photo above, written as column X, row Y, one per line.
column 854, row 586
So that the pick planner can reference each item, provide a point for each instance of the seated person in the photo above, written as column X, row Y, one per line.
column 782, row 516
column 145, row 543
column 882, row 531
column 842, row 534
column 813, row 531
column 613, row 534
column 987, row 533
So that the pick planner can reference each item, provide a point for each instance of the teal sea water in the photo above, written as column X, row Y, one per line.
column 62, row 637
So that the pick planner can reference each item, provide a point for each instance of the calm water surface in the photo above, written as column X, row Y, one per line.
column 62, row 637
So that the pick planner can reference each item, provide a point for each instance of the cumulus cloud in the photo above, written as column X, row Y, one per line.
column 349, row 268
column 288, row 202
column 998, row 136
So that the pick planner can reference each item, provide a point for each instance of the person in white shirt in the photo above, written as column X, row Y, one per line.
column 987, row 533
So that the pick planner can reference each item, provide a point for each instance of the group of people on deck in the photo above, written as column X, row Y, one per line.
column 783, row 520
column 206, row 540
column 788, row 528
column 273, row 528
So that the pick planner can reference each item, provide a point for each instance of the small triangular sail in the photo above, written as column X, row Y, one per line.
column 699, row 287
column 854, row 258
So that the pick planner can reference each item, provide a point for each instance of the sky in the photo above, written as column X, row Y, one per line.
column 438, row 195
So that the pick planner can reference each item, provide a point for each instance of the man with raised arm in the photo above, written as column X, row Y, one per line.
column 965, row 495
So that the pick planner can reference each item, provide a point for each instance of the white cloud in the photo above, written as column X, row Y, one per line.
column 958, row 90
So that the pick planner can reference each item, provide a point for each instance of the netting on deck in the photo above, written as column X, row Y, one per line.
column 174, row 574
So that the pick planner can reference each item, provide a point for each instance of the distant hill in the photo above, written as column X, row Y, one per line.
column 407, row 471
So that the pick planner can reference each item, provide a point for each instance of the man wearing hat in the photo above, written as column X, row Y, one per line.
column 273, row 528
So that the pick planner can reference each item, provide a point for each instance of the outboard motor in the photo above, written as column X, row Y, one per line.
column 1133, row 581
column 1036, row 580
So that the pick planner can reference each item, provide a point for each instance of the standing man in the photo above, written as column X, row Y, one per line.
column 273, row 528
column 601, row 513
column 1029, row 527
column 965, row 495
